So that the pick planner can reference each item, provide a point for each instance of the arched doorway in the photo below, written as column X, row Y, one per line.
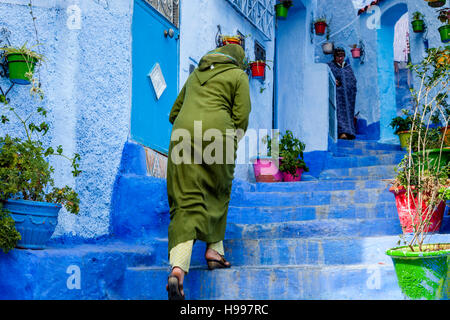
column 387, row 84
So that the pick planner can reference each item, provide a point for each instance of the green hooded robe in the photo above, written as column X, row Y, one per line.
column 217, row 94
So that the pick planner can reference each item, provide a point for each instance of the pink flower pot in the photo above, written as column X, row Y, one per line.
column 356, row 53
column 287, row 177
column 266, row 170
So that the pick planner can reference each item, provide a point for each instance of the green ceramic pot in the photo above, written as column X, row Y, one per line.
column 418, row 26
column 404, row 138
column 432, row 157
column 19, row 65
column 445, row 33
column 422, row 275
column 281, row 11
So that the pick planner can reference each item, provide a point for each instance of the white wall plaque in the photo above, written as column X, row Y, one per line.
column 158, row 81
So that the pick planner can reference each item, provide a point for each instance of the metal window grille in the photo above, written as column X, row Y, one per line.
column 168, row 8
column 260, row 13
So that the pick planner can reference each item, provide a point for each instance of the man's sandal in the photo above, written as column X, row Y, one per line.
column 174, row 288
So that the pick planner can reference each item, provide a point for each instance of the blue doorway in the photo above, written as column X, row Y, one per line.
column 155, row 47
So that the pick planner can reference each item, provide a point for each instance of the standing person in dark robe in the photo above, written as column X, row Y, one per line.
column 345, row 94
column 215, row 97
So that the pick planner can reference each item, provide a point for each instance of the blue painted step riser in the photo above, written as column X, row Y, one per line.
column 315, row 228
column 313, row 198
column 289, row 283
column 348, row 162
column 367, row 145
column 347, row 152
column 251, row 215
column 308, row 186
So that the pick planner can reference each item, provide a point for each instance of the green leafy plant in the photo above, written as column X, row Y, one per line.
column 322, row 18
column 444, row 15
column 9, row 236
column 290, row 149
column 417, row 16
column 400, row 124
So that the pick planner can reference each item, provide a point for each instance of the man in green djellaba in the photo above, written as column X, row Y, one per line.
column 209, row 117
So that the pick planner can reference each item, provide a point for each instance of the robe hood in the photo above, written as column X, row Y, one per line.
column 220, row 60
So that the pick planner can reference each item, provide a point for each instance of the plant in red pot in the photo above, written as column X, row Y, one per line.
column 320, row 25
column 420, row 189
column 258, row 68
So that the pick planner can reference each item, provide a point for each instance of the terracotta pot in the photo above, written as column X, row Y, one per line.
column 408, row 210
column 446, row 131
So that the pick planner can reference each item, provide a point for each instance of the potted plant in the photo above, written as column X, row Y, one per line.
column 402, row 127
column 231, row 40
column 328, row 47
column 290, row 154
column 356, row 52
column 28, row 192
column 444, row 17
column 320, row 25
column 418, row 23
column 421, row 191
column 21, row 63
column 266, row 168
column 258, row 68
column 282, row 8
column 436, row 3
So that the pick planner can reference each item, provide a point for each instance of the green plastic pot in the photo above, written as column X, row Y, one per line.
column 422, row 275
column 19, row 65
column 445, row 33
column 432, row 156
column 404, row 138
column 418, row 26
column 281, row 11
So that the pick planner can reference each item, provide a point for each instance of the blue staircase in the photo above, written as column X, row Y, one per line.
column 322, row 238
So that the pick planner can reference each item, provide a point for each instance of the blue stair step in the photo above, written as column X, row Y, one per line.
column 308, row 186
column 363, row 161
column 368, row 145
column 346, row 151
column 51, row 273
column 249, row 215
column 372, row 281
column 360, row 173
column 250, row 199
column 315, row 228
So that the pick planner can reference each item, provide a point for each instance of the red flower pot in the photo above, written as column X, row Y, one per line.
column 356, row 53
column 320, row 28
column 287, row 177
column 407, row 212
column 258, row 69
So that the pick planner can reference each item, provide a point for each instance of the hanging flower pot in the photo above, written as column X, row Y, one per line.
column 20, row 66
column 231, row 40
column 422, row 274
column 281, row 11
column 258, row 69
column 418, row 26
column 406, row 210
column 356, row 53
column 266, row 170
column 328, row 47
column 445, row 33
column 320, row 27
column 35, row 221
column 436, row 3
